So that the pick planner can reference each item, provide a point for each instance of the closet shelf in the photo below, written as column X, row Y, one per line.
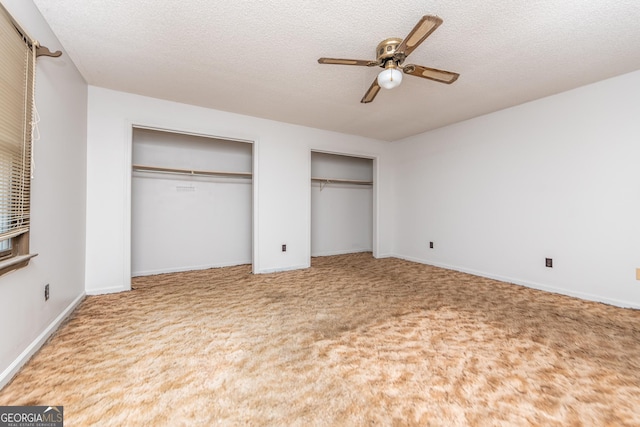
column 157, row 169
column 341, row 181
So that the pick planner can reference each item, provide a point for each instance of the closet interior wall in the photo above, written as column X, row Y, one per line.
column 191, row 202
column 341, row 204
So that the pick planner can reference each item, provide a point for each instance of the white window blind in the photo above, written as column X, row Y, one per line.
column 17, row 76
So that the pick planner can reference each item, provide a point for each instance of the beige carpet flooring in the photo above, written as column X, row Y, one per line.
column 351, row 341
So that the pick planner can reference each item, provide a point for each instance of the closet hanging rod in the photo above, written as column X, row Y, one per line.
column 341, row 180
column 176, row 171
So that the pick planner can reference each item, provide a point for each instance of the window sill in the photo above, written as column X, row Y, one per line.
column 14, row 263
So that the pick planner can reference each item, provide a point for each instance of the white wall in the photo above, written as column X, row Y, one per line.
column 558, row 177
column 191, row 152
column 281, row 199
column 58, row 206
column 189, row 222
column 329, row 165
column 341, row 213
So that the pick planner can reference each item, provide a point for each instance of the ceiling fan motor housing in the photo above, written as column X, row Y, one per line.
column 386, row 50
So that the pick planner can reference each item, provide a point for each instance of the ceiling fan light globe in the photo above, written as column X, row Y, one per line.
column 389, row 78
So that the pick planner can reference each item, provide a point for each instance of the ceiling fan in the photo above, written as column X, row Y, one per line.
column 392, row 52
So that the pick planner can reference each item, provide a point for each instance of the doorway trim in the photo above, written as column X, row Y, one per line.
column 375, row 189
column 128, row 161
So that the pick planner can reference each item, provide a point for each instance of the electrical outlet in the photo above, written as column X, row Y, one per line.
column 430, row 245
column 284, row 248
column 637, row 273
column 46, row 292
column 548, row 262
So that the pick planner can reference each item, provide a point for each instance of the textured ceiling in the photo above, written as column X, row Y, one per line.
column 259, row 58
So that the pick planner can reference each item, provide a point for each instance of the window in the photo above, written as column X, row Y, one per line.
column 17, row 75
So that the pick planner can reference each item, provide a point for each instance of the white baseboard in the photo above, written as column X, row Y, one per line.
column 278, row 270
column 385, row 255
column 340, row 252
column 103, row 291
column 187, row 268
column 24, row 357
column 533, row 285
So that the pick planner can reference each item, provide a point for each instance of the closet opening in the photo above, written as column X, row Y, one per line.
column 191, row 202
column 342, row 204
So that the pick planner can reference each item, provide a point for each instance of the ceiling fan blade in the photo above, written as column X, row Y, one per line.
column 339, row 61
column 371, row 93
column 420, row 32
column 441, row 76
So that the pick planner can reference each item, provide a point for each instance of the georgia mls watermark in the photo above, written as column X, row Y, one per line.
column 31, row 416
